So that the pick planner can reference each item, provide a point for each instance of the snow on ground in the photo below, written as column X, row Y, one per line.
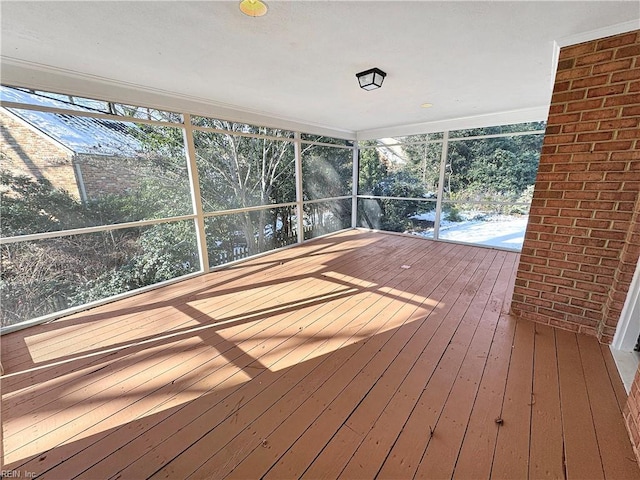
column 503, row 231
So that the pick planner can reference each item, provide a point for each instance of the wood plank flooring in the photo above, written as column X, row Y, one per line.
column 359, row 355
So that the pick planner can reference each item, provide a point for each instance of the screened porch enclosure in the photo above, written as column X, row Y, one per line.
column 134, row 197
column 208, row 298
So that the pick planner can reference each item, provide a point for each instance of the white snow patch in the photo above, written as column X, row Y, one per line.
column 498, row 231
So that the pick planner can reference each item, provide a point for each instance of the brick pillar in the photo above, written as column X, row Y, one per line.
column 583, row 238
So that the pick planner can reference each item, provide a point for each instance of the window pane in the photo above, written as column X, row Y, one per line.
column 99, row 173
column 492, row 169
column 81, row 104
column 239, row 127
column 400, row 170
column 326, row 171
column 45, row 276
column 322, row 218
column 405, row 216
column 236, row 236
column 496, row 225
column 238, row 172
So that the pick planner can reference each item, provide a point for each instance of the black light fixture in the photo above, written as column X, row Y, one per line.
column 371, row 79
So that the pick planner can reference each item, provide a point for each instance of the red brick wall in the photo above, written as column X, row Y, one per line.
column 583, row 238
column 632, row 414
column 27, row 152
column 102, row 175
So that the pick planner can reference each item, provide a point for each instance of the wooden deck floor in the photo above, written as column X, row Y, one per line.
column 359, row 355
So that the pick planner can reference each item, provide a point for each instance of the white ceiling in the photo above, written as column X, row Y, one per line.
column 298, row 62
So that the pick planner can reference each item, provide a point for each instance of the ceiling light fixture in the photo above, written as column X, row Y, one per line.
column 371, row 79
column 253, row 8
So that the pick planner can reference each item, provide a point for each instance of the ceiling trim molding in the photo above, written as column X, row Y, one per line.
column 21, row 73
column 599, row 33
column 536, row 114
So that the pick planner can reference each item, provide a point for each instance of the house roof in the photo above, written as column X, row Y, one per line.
column 298, row 62
column 82, row 135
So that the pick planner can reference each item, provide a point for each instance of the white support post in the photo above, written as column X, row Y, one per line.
column 354, row 189
column 297, row 148
column 443, row 167
column 194, row 184
column 628, row 327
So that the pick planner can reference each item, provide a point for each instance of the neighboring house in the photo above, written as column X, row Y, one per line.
column 88, row 157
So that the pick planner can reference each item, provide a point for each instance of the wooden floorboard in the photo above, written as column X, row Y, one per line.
column 514, row 422
column 545, row 451
column 440, row 458
column 358, row 355
column 603, row 401
column 476, row 453
column 582, row 455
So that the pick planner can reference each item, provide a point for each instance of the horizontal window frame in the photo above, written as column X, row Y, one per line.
column 383, row 197
column 321, row 144
column 456, row 139
column 444, row 200
column 97, row 228
column 497, row 135
column 401, row 144
column 80, row 113
column 241, row 134
column 480, row 202
column 255, row 208
column 328, row 199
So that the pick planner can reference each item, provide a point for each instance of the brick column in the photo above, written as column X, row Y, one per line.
column 583, row 238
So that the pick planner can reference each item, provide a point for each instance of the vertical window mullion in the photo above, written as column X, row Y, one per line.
column 443, row 167
column 196, row 200
column 297, row 148
column 354, row 189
